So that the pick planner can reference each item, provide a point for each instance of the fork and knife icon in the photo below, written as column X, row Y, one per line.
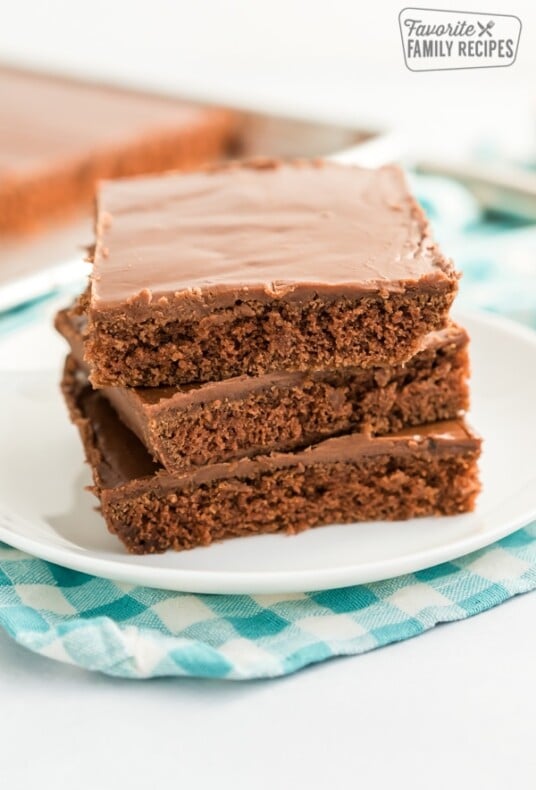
column 486, row 28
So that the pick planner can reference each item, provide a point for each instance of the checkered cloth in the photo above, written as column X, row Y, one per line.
column 138, row 632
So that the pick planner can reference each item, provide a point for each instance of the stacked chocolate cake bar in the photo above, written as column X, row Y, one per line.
column 266, row 347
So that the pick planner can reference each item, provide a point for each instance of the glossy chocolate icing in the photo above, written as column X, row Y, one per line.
column 263, row 231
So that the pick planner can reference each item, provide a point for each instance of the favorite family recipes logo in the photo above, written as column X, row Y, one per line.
column 434, row 40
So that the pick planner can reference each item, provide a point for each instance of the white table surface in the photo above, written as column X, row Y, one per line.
column 451, row 708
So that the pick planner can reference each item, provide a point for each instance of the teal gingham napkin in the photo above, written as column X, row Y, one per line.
column 138, row 632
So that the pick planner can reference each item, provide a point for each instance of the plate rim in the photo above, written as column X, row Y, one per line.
column 279, row 582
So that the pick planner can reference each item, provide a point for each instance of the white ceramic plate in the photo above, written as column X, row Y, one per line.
column 44, row 509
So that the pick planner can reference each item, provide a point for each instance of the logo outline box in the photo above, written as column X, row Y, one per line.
column 464, row 13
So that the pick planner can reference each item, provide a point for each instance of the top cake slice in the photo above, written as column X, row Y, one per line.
column 258, row 267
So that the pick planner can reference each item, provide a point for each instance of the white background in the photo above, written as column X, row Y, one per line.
column 452, row 708
column 342, row 57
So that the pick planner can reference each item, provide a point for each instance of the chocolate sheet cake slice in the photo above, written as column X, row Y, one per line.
column 197, row 424
column 260, row 267
column 417, row 472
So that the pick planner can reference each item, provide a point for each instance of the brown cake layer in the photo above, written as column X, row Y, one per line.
column 345, row 479
column 210, row 423
column 59, row 136
column 259, row 267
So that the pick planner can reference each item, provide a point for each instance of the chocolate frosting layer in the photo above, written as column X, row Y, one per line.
column 123, row 460
column 262, row 230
